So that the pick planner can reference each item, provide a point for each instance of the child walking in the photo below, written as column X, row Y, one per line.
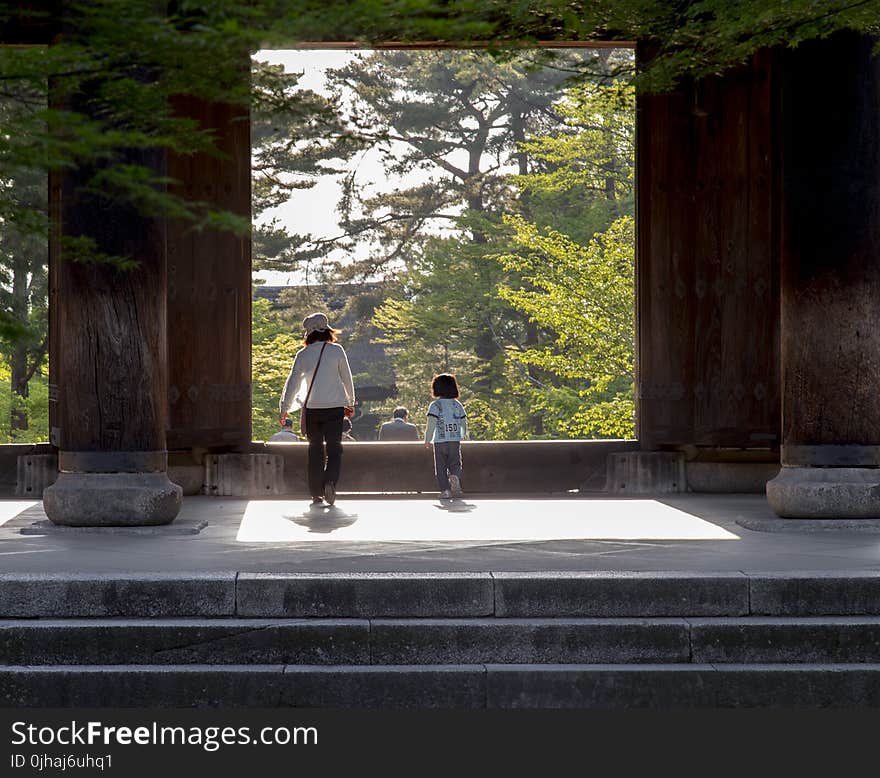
column 446, row 428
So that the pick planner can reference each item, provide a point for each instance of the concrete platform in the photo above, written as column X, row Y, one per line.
column 407, row 602
column 688, row 532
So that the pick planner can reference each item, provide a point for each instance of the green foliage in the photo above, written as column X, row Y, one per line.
column 583, row 175
column 114, row 74
column 23, row 284
column 707, row 37
column 274, row 348
column 34, row 407
column 120, row 65
column 512, row 329
column 297, row 136
column 445, row 316
column 585, row 295
column 456, row 117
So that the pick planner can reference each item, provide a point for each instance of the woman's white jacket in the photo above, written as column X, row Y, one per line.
column 333, row 386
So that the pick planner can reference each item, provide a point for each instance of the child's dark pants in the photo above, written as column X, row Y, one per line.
column 447, row 462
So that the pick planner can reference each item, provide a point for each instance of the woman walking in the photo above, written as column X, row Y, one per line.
column 320, row 384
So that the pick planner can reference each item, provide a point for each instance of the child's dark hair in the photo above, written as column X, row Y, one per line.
column 444, row 385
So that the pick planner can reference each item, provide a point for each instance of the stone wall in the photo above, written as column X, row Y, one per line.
column 509, row 467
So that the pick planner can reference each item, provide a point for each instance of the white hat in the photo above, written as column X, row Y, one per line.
column 315, row 322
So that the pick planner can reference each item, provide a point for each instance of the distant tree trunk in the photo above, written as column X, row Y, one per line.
column 486, row 348
column 473, row 184
column 518, row 131
column 610, row 188
column 536, row 421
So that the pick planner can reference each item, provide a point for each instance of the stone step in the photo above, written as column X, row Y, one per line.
column 71, row 595
column 626, row 641
column 184, row 641
column 847, row 639
column 438, row 595
column 439, row 641
column 597, row 686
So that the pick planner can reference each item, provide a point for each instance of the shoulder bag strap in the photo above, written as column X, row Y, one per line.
column 312, row 382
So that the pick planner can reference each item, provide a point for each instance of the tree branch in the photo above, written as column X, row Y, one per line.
column 38, row 359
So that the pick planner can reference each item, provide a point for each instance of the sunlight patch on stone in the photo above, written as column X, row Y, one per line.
column 278, row 521
column 9, row 509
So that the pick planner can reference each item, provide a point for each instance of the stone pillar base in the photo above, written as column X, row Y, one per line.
column 826, row 492
column 112, row 499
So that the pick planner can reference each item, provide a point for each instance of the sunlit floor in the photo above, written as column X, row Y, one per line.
column 273, row 521
column 408, row 533
column 9, row 509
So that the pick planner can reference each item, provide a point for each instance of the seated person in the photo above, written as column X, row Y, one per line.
column 399, row 428
column 286, row 434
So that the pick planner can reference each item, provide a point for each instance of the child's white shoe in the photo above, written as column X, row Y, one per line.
column 455, row 486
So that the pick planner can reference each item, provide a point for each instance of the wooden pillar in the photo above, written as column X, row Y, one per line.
column 707, row 279
column 830, row 281
column 108, row 381
column 209, row 289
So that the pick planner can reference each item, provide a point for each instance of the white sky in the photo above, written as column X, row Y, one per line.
column 314, row 210
column 308, row 210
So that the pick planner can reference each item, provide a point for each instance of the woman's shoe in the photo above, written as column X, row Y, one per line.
column 317, row 501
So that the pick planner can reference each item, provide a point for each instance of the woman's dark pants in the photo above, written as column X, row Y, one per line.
column 324, row 425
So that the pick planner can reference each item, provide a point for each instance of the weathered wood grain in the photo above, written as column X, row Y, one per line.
column 707, row 282
column 209, row 297
column 831, row 243
column 107, row 343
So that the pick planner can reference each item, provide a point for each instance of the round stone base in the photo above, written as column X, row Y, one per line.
column 112, row 499
column 826, row 492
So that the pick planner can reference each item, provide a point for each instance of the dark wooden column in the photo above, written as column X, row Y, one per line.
column 830, row 281
column 707, row 281
column 108, row 360
column 209, row 290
